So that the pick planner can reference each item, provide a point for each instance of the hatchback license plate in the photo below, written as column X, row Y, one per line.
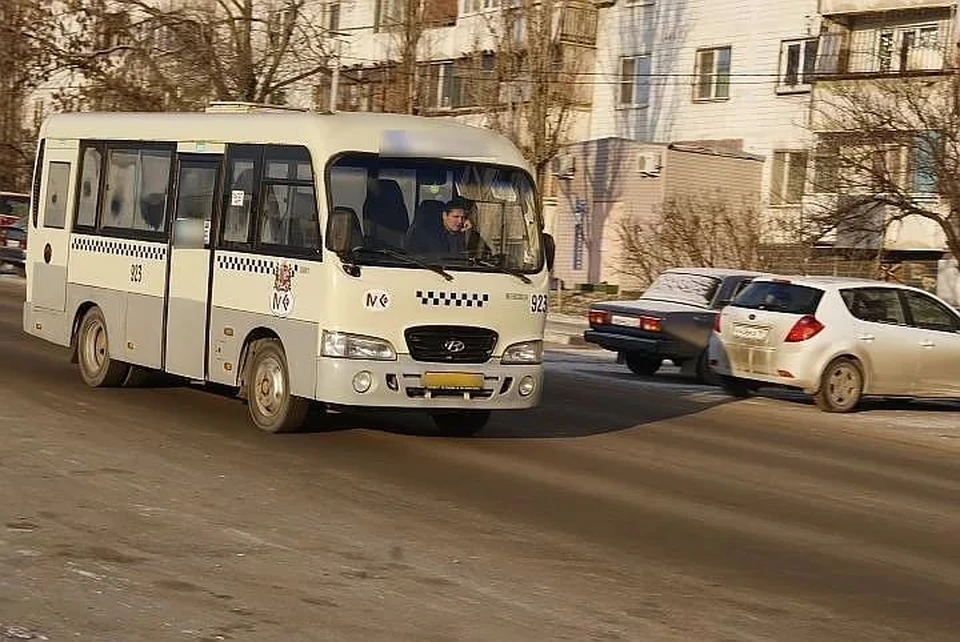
column 13, row 243
column 750, row 332
column 452, row 381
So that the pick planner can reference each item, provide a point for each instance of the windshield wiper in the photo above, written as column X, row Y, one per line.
column 406, row 258
column 499, row 266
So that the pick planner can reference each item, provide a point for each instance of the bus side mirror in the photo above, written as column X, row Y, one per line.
column 549, row 250
column 345, row 233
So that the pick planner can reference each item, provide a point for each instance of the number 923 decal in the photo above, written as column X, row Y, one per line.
column 538, row 303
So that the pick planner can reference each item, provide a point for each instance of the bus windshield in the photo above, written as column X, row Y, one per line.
column 401, row 204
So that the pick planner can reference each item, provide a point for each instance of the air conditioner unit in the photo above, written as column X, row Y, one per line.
column 649, row 163
column 563, row 166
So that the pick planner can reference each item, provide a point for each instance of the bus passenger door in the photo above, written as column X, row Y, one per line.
column 49, row 233
column 188, row 282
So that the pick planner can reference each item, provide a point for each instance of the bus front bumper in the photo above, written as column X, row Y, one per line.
column 406, row 383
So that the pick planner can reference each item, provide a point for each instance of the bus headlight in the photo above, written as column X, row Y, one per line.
column 343, row 345
column 525, row 352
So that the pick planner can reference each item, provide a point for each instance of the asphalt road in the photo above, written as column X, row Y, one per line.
column 622, row 509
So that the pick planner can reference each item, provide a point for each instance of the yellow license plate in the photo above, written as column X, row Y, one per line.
column 452, row 381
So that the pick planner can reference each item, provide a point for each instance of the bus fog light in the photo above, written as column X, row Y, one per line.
column 527, row 386
column 362, row 381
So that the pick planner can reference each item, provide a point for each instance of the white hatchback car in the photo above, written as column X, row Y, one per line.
column 837, row 339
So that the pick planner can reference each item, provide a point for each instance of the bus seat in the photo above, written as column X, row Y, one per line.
column 427, row 224
column 385, row 213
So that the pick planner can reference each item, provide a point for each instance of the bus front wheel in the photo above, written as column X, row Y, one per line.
column 97, row 369
column 272, row 407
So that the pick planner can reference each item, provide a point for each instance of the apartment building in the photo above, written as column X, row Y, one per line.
column 474, row 60
column 728, row 74
column 875, row 57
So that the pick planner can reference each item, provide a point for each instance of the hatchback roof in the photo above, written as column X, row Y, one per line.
column 712, row 271
column 831, row 282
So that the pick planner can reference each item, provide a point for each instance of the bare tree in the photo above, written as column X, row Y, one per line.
column 24, row 26
column 542, row 48
column 133, row 54
column 888, row 152
column 692, row 230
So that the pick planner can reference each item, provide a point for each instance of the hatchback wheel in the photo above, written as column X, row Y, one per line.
column 735, row 387
column 841, row 386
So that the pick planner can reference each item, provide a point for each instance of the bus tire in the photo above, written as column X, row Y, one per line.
column 272, row 408
column 464, row 423
column 97, row 369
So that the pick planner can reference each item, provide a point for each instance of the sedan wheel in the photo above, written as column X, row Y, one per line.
column 641, row 364
column 841, row 386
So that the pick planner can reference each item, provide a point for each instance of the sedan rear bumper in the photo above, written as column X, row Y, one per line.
column 662, row 348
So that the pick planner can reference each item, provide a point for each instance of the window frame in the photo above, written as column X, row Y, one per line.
column 897, row 294
column 898, row 62
column 104, row 147
column 51, row 165
column 781, row 198
column 261, row 155
column 714, row 74
column 635, row 80
column 905, row 296
column 803, row 74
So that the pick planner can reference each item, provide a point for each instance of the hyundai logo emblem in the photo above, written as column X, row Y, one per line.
column 454, row 346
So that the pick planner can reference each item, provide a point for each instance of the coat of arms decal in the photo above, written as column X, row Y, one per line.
column 281, row 301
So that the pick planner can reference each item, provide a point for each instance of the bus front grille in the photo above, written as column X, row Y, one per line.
column 450, row 343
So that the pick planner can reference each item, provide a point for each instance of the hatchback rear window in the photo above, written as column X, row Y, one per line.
column 779, row 297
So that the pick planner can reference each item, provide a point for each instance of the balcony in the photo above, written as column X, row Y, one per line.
column 842, row 7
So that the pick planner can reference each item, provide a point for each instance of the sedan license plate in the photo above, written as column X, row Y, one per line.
column 13, row 243
column 619, row 319
column 452, row 381
column 750, row 332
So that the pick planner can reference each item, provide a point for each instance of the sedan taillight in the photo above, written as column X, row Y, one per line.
column 716, row 323
column 805, row 328
column 598, row 317
column 650, row 324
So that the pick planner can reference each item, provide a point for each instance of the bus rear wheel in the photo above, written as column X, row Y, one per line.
column 461, row 424
column 272, row 408
column 97, row 369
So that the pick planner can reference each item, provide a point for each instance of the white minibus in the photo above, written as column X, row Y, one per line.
column 295, row 256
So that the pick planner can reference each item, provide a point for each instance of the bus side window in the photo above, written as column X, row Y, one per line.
column 55, row 200
column 236, row 220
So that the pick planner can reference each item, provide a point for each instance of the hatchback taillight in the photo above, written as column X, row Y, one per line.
column 598, row 317
column 805, row 328
column 23, row 243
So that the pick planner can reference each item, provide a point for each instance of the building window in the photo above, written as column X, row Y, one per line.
column 798, row 59
column 333, row 16
column 912, row 48
column 786, row 182
column 389, row 13
column 635, row 81
column 712, row 74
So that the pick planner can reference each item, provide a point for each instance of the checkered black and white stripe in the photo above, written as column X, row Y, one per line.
column 248, row 264
column 119, row 247
column 452, row 299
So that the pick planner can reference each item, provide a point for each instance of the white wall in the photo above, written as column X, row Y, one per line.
column 672, row 31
